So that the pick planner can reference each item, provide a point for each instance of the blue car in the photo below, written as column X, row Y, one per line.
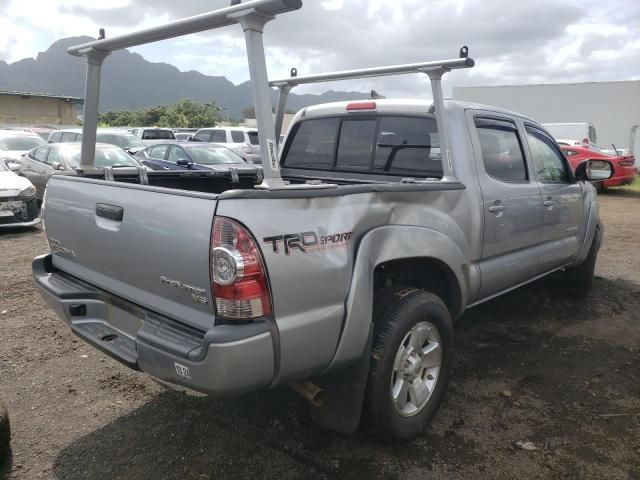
column 187, row 156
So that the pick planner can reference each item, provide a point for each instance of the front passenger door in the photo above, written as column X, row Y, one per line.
column 562, row 200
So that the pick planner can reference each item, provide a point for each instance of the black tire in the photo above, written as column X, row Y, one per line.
column 396, row 311
column 5, row 433
column 578, row 281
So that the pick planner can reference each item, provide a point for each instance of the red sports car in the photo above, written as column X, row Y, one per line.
column 624, row 171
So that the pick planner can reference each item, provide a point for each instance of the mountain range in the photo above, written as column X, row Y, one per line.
column 130, row 82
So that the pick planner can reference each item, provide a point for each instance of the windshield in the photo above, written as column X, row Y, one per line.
column 121, row 140
column 20, row 142
column 213, row 156
column 105, row 157
column 158, row 135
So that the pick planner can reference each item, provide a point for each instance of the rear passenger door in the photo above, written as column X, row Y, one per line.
column 562, row 199
column 512, row 206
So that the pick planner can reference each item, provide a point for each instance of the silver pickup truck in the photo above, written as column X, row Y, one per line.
column 343, row 271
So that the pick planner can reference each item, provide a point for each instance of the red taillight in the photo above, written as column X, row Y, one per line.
column 239, row 280
column 361, row 106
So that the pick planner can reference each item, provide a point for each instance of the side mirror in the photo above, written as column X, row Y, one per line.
column 13, row 166
column 57, row 166
column 183, row 162
column 594, row 170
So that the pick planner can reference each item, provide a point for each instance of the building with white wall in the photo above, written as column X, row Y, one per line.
column 612, row 107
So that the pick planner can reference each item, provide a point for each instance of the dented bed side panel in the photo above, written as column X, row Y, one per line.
column 323, row 236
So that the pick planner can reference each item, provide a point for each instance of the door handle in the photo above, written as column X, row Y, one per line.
column 548, row 202
column 497, row 208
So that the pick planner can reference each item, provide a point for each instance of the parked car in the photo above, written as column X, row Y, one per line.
column 122, row 139
column 64, row 158
column 191, row 156
column 243, row 141
column 18, row 203
column 151, row 135
column 15, row 143
column 5, row 434
column 573, row 134
column 624, row 169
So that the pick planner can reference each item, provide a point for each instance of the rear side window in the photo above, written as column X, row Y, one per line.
column 237, row 136
column 219, row 136
column 501, row 150
column 202, row 136
column 253, row 138
column 55, row 137
column 314, row 144
column 69, row 137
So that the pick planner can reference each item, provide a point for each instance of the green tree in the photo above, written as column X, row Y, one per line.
column 185, row 113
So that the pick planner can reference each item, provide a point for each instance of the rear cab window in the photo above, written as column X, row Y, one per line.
column 389, row 145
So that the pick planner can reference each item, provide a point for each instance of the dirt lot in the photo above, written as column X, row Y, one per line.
column 534, row 366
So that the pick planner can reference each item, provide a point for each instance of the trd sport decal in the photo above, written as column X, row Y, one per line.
column 308, row 242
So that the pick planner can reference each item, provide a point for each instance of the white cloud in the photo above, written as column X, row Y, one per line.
column 512, row 42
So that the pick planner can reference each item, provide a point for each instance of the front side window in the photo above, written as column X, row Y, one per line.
column 219, row 136
column 55, row 137
column 159, row 152
column 550, row 165
column 502, row 155
column 202, row 136
column 54, row 157
column 237, row 136
column 41, row 154
column 177, row 153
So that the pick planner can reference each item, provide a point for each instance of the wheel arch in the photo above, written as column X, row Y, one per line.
column 420, row 255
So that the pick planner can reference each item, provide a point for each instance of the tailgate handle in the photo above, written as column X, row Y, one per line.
column 112, row 212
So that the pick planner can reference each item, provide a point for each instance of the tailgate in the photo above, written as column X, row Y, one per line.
column 145, row 244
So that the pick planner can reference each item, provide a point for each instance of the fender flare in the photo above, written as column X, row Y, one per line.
column 592, row 222
column 382, row 245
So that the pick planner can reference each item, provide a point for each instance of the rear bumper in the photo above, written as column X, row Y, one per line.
column 226, row 360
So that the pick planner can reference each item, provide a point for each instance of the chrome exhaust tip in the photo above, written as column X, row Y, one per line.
column 309, row 391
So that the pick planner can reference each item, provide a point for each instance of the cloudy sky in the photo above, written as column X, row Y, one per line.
column 512, row 41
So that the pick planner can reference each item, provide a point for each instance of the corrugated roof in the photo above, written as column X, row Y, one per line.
column 47, row 95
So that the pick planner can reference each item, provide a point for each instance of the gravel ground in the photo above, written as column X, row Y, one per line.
column 533, row 366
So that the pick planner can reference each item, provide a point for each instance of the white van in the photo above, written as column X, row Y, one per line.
column 244, row 141
column 579, row 134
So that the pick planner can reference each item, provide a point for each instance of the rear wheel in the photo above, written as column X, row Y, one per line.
column 5, row 432
column 410, row 362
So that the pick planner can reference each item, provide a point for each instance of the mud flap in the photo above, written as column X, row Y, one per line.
column 344, row 394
